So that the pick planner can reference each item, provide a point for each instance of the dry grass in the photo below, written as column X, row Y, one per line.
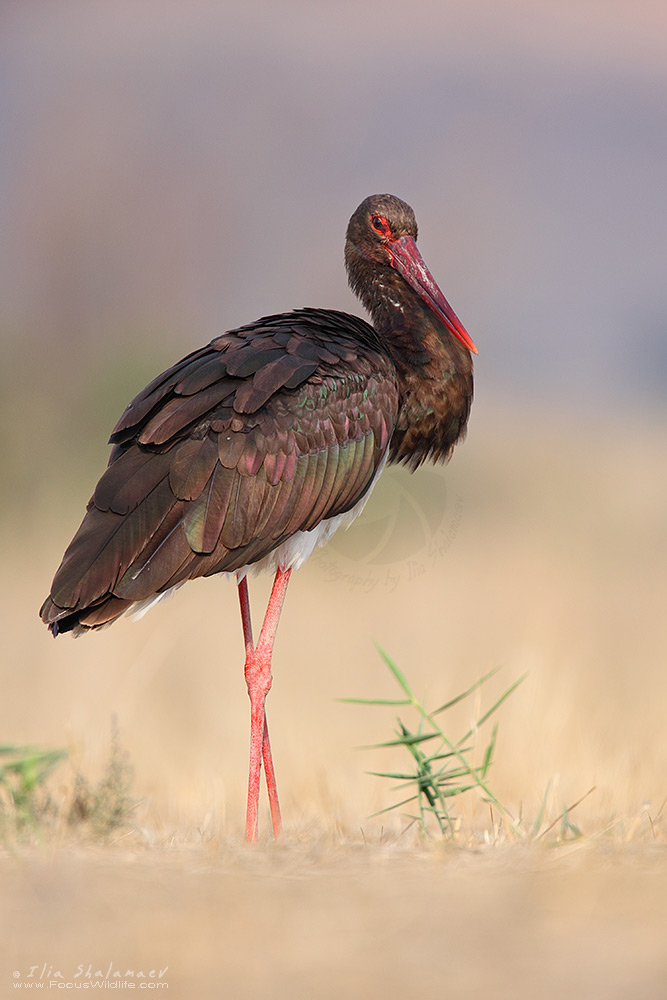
column 548, row 559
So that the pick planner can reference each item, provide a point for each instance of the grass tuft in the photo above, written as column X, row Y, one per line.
column 106, row 806
column 441, row 768
column 31, row 811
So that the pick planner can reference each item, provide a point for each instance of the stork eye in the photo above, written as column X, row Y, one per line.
column 380, row 224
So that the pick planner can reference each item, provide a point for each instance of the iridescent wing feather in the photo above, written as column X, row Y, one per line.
column 266, row 432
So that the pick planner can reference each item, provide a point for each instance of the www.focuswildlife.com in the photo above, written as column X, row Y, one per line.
column 105, row 984
column 48, row 977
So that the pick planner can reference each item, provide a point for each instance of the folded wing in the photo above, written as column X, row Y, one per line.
column 266, row 432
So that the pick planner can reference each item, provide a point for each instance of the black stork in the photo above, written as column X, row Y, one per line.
column 253, row 450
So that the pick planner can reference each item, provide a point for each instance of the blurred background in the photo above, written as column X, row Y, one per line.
column 169, row 170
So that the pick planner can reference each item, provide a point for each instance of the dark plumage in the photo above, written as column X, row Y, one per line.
column 246, row 450
column 267, row 431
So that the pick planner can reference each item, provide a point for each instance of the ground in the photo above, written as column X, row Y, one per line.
column 538, row 559
column 325, row 920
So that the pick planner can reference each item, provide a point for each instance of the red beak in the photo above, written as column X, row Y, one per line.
column 409, row 263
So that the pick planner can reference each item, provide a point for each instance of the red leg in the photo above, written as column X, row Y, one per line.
column 266, row 745
column 271, row 785
column 258, row 678
column 245, row 619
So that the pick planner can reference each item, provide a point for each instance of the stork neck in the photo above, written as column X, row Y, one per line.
column 419, row 343
column 434, row 369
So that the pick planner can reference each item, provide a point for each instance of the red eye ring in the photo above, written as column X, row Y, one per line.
column 380, row 225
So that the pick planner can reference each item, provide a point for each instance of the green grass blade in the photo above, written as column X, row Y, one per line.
column 466, row 694
column 410, row 739
column 488, row 754
column 391, row 774
column 396, row 672
column 396, row 805
column 504, row 696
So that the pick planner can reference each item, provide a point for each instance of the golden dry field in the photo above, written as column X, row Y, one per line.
column 170, row 170
column 537, row 550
